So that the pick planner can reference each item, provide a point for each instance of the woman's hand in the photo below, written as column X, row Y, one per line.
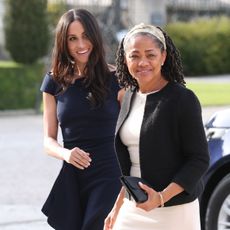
column 153, row 198
column 78, row 158
column 110, row 220
column 112, row 216
column 156, row 199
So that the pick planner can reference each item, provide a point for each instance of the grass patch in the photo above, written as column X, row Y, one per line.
column 9, row 64
column 211, row 94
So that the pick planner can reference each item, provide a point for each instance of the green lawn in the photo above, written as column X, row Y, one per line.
column 8, row 64
column 211, row 94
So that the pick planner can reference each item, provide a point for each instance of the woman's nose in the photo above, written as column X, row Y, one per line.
column 81, row 43
column 143, row 62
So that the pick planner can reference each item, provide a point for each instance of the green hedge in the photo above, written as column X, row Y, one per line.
column 204, row 45
column 19, row 87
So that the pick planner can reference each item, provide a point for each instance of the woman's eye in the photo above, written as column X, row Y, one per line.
column 133, row 56
column 72, row 38
column 151, row 55
column 85, row 36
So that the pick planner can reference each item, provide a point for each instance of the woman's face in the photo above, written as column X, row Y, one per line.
column 79, row 45
column 144, row 60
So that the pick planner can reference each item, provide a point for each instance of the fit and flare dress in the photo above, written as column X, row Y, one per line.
column 81, row 199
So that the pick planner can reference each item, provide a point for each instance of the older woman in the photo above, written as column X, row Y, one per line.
column 159, row 136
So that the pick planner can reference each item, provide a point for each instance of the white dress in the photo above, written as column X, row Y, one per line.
column 178, row 217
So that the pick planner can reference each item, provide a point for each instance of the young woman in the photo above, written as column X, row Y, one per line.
column 81, row 95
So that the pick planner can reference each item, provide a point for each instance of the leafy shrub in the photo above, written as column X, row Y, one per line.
column 19, row 88
column 204, row 45
column 26, row 30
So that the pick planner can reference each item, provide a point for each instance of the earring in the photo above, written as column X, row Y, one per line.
column 162, row 64
column 72, row 63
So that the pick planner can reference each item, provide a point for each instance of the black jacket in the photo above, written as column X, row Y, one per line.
column 173, row 146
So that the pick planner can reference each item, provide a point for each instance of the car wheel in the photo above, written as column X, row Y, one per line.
column 218, row 210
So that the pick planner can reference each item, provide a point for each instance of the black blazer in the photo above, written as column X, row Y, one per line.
column 173, row 146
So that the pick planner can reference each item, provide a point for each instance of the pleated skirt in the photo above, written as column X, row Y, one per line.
column 179, row 217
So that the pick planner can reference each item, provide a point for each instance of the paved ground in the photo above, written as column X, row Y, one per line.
column 212, row 79
column 26, row 173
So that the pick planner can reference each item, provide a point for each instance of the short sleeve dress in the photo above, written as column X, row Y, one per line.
column 81, row 199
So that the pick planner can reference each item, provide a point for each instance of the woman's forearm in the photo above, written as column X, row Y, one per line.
column 119, row 200
column 53, row 148
column 170, row 191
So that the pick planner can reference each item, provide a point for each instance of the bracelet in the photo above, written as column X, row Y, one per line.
column 161, row 199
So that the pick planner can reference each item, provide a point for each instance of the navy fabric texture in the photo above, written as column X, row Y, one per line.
column 81, row 199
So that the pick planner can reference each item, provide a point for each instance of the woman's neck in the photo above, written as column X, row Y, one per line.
column 79, row 70
column 154, row 86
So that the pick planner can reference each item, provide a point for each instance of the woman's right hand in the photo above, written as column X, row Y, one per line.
column 110, row 220
column 78, row 158
column 112, row 216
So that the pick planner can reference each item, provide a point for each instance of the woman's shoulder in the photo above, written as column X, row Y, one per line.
column 48, row 76
column 113, row 79
column 49, row 85
column 185, row 96
column 182, row 89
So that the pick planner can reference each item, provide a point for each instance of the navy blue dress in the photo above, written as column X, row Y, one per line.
column 81, row 199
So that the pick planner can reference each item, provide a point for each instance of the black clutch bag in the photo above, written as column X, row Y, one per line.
column 133, row 188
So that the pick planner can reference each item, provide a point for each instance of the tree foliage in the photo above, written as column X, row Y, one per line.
column 204, row 45
column 26, row 30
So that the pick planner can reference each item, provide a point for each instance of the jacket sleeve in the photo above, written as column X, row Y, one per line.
column 193, row 142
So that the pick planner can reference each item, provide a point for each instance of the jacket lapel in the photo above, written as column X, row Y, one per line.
column 125, row 108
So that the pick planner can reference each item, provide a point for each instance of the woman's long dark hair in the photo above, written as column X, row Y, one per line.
column 172, row 69
column 96, row 70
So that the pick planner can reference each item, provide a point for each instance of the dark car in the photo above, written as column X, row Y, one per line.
column 215, row 200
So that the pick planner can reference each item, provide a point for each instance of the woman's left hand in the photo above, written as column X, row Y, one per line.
column 153, row 199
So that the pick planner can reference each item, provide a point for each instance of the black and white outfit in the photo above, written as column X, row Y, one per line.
column 160, row 137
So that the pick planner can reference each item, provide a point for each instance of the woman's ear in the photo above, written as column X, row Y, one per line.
column 125, row 61
column 164, row 55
